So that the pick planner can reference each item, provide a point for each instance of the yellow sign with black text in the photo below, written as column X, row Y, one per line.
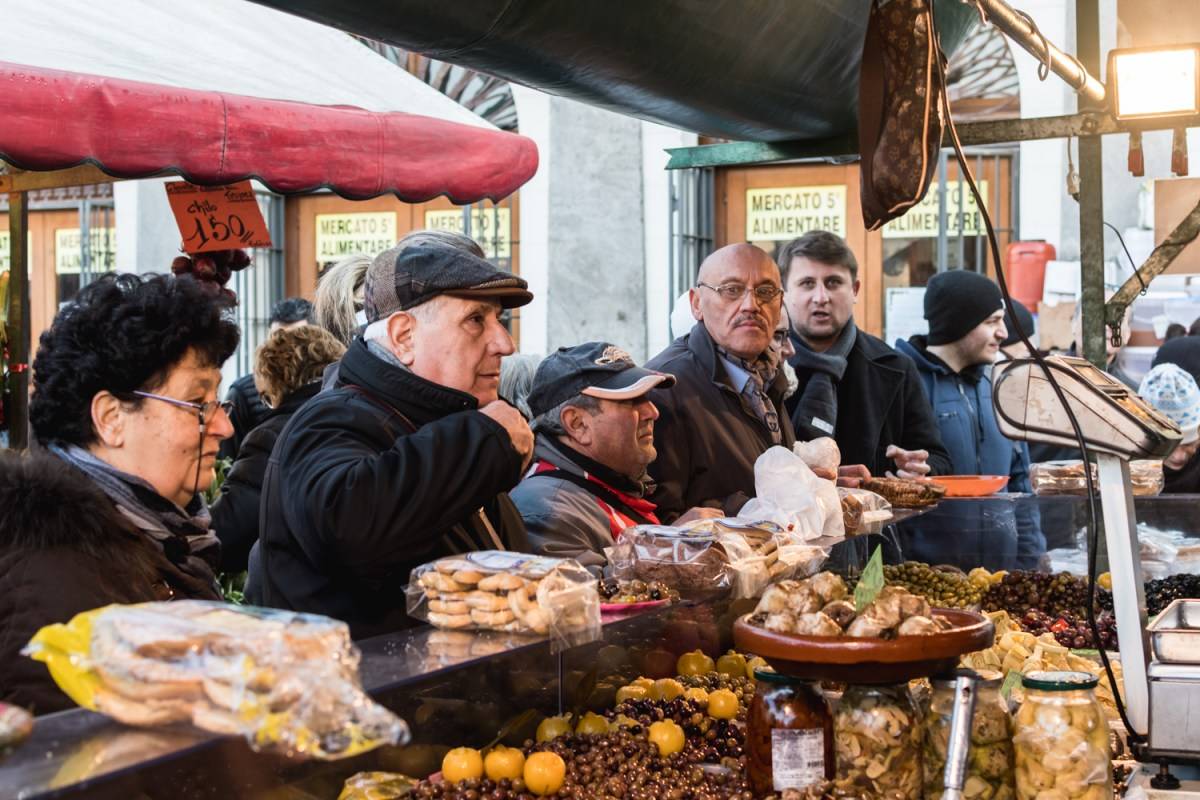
column 341, row 235
column 6, row 254
column 789, row 211
column 922, row 220
column 68, row 255
column 490, row 227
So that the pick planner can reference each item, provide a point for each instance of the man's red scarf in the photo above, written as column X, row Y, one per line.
column 617, row 522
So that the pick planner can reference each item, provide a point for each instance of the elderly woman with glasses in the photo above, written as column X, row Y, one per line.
column 125, row 406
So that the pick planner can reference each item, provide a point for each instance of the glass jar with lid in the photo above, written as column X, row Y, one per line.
column 877, row 737
column 1060, row 738
column 989, row 757
column 789, row 735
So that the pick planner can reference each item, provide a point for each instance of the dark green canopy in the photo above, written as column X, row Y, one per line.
column 758, row 70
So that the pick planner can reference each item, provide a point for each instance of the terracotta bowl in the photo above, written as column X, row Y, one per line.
column 970, row 485
column 849, row 660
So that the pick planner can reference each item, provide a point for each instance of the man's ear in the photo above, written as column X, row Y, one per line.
column 578, row 424
column 400, row 329
column 108, row 419
column 857, row 286
column 694, row 300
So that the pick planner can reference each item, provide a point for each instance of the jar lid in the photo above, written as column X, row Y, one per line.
column 778, row 678
column 988, row 678
column 1059, row 681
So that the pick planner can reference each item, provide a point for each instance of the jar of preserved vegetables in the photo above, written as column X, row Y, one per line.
column 1061, row 739
column 789, row 735
column 989, row 758
column 877, row 737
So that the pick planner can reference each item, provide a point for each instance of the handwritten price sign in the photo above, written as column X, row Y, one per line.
column 217, row 217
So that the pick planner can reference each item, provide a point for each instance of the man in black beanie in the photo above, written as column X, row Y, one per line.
column 966, row 328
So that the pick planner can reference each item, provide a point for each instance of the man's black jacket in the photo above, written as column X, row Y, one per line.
column 881, row 401
column 249, row 411
column 372, row 478
column 235, row 513
column 707, row 436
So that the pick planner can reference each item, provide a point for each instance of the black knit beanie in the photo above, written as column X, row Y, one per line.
column 957, row 301
column 1024, row 319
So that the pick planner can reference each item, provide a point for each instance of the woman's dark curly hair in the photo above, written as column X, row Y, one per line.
column 122, row 333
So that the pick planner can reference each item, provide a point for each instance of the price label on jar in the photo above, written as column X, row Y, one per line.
column 217, row 217
column 797, row 758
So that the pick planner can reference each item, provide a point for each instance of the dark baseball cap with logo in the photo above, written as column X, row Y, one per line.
column 422, row 272
column 595, row 369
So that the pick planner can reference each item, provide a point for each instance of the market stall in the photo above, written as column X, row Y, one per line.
column 469, row 689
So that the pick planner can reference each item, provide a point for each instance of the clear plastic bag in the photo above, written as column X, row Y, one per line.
column 693, row 562
column 288, row 682
column 863, row 511
column 822, row 455
column 791, row 495
column 377, row 786
column 496, row 590
column 1067, row 477
column 760, row 552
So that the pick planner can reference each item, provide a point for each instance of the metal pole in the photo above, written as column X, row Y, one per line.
column 1091, row 200
column 18, row 321
column 1018, row 28
column 942, row 240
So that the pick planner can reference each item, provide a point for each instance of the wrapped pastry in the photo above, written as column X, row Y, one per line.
column 904, row 493
column 507, row 592
column 288, row 682
column 821, row 455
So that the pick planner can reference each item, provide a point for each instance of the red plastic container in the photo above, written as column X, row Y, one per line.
column 1025, row 269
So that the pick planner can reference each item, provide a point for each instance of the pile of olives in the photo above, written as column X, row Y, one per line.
column 1055, row 594
column 943, row 587
column 1160, row 592
column 627, row 764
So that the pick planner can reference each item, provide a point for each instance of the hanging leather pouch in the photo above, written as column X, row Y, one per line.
column 899, row 108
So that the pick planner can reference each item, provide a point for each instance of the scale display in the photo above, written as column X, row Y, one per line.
column 1114, row 420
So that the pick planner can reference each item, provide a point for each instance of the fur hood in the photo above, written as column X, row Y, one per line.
column 45, row 503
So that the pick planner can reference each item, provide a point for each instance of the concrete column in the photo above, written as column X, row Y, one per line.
column 533, row 117
column 147, row 238
column 582, row 226
column 656, row 192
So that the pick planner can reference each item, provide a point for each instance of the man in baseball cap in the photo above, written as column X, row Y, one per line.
column 595, row 438
column 409, row 456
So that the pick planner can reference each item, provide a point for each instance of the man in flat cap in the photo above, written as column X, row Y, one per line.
column 595, row 439
column 408, row 457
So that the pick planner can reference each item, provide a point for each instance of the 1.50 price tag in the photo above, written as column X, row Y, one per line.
column 217, row 217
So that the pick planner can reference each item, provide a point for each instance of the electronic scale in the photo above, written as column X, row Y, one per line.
column 1162, row 694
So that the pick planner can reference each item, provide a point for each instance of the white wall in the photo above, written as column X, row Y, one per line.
column 147, row 237
column 656, row 199
column 533, row 116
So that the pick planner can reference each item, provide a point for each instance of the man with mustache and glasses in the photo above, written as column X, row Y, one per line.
column 595, row 437
column 727, row 408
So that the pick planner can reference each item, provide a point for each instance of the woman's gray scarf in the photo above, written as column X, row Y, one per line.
column 816, row 411
column 184, row 537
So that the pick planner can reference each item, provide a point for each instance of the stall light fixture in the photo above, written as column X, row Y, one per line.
column 1155, row 81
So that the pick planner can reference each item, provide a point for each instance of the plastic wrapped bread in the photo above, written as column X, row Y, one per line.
column 288, row 682
column 496, row 590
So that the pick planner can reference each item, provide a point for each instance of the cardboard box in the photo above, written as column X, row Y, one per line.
column 1054, row 325
column 1174, row 198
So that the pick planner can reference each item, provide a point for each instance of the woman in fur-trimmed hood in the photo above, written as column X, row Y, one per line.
column 64, row 548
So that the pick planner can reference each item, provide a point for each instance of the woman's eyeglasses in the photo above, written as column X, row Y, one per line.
column 204, row 411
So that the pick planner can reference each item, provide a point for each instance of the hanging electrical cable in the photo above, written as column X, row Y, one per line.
column 1092, row 495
